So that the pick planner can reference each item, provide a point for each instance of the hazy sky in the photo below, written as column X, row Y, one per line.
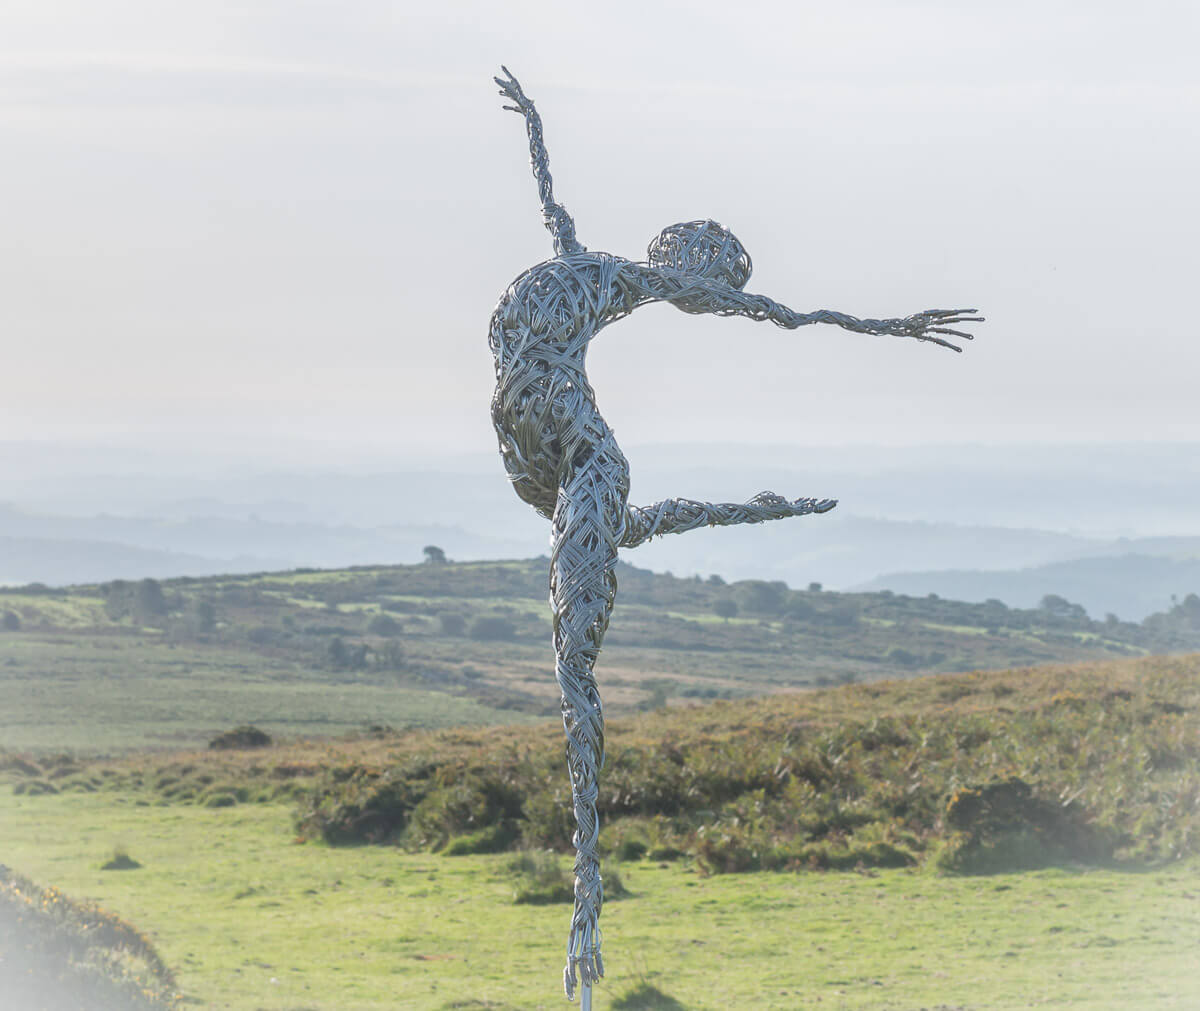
column 293, row 218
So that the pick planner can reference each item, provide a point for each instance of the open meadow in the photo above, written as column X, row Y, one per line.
column 325, row 653
column 250, row 918
column 992, row 840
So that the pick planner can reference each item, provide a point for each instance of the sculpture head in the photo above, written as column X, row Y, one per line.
column 702, row 248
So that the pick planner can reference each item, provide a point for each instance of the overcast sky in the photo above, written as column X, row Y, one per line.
column 292, row 219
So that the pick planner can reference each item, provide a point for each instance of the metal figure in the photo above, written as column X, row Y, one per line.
column 563, row 460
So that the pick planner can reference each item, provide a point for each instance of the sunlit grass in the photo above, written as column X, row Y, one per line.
column 249, row 919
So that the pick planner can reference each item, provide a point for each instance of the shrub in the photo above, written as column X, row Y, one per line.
column 974, row 771
column 493, row 839
column 75, row 955
column 390, row 657
column 384, row 625
column 631, row 849
column 492, row 627
column 361, row 807
column 342, row 656
column 452, row 624
column 725, row 607
column 10, row 621
column 759, row 597
column 120, row 861
column 1004, row 826
column 464, row 803
column 246, row 736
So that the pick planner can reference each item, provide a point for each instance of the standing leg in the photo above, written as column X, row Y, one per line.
column 677, row 515
column 586, row 528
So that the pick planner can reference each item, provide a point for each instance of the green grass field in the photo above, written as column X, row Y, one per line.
column 1087, row 770
column 325, row 653
column 251, row 919
column 145, row 693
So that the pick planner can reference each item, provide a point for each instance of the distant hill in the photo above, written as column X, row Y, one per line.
column 60, row 561
column 837, row 550
column 1131, row 586
column 326, row 651
column 60, row 550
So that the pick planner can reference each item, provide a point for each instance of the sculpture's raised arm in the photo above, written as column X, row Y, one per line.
column 558, row 222
column 713, row 296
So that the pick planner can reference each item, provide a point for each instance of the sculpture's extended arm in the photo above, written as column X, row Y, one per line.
column 558, row 221
column 711, row 296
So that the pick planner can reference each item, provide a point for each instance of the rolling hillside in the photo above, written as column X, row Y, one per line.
column 327, row 652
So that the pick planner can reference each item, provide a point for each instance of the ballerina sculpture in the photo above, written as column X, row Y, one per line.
column 563, row 460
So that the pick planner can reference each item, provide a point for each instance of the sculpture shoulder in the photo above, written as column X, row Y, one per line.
column 575, row 271
column 569, row 299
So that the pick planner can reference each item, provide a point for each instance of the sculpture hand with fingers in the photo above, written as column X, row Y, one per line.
column 563, row 460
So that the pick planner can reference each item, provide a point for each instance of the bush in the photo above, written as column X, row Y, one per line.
column 493, row 839
column 10, row 621
column 452, row 624
column 390, row 657
column 75, row 955
column 342, row 656
column 492, row 627
column 725, row 607
column 1004, row 826
column 1095, row 769
column 355, row 805
column 630, row 850
column 246, row 736
column 384, row 625
column 759, row 597
column 121, row 861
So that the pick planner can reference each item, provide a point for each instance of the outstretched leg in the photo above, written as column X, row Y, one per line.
column 676, row 515
column 586, row 529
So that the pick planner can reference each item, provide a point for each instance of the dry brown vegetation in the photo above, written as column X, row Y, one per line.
column 987, row 770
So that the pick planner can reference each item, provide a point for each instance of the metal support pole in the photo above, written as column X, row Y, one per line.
column 585, row 997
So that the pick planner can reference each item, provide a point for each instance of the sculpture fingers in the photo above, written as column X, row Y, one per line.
column 511, row 88
column 924, row 336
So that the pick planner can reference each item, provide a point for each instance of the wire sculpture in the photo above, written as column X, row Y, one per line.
column 563, row 460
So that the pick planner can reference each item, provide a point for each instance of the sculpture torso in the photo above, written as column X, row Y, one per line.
column 544, row 409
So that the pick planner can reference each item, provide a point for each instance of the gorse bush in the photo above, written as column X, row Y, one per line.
column 58, row 954
column 981, row 772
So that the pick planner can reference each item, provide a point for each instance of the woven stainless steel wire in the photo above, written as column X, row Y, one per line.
column 563, row 459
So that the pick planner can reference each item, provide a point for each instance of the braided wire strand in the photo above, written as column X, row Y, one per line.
column 558, row 222
column 583, row 586
column 678, row 515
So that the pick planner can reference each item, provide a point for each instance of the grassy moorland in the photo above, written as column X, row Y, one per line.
column 169, row 664
column 250, row 919
column 959, row 840
column 991, row 840
column 1097, row 763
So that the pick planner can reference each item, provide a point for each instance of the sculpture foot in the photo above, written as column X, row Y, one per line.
column 585, row 968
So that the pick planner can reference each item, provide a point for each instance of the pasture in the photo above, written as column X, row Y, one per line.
column 250, row 918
